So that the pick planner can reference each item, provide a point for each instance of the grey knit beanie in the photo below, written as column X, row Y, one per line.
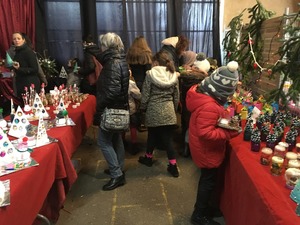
column 222, row 82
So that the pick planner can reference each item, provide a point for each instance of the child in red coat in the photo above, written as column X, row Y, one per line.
column 207, row 141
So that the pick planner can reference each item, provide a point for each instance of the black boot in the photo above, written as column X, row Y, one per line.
column 114, row 183
column 146, row 161
column 198, row 219
column 172, row 169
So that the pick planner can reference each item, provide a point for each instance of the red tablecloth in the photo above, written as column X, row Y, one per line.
column 43, row 188
column 252, row 196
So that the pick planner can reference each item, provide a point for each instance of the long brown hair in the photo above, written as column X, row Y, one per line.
column 162, row 58
column 139, row 52
column 181, row 45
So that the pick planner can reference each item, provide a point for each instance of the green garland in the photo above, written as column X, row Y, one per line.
column 241, row 51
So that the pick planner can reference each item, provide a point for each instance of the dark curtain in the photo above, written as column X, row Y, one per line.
column 16, row 16
column 41, row 41
column 68, row 20
column 88, row 15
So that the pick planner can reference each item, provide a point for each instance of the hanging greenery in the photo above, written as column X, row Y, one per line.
column 243, row 43
column 289, row 64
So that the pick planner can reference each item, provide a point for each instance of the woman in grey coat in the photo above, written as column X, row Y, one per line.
column 160, row 96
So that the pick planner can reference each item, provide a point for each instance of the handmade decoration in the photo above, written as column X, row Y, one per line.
column 255, row 140
column 271, row 140
column 295, row 196
column 265, row 130
column 19, row 123
column 290, row 138
column 63, row 73
column 292, row 175
column 41, row 136
column 3, row 122
column 248, row 130
column 38, row 108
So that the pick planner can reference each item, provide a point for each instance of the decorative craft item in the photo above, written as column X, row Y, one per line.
column 255, row 140
column 271, row 140
column 292, row 175
column 295, row 196
column 290, row 138
column 276, row 165
column 41, row 137
column 19, row 123
column 38, row 109
column 265, row 130
column 266, row 155
column 279, row 151
column 3, row 122
column 63, row 73
column 248, row 130
column 7, row 150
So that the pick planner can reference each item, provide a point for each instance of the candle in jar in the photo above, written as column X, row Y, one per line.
column 294, row 164
column 276, row 165
column 283, row 144
column 265, row 157
column 298, row 147
column 279, row 151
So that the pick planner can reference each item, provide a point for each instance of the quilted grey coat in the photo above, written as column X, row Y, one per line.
column 160, row 96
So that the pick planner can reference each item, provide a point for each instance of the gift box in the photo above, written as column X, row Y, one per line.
column 244, row 113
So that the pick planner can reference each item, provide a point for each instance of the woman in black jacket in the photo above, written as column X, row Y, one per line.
column 25, row 65
column 112, row 92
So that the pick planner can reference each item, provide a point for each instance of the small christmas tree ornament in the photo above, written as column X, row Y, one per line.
column 279, row 132
column 38, row 108
column 265, row 130
column 7, row 150
column 63, row 73
column 296, row 123
column 3, row 123
column 255, row 140
column 18, row 126
column 260, row 120
column 41, row 137
column 290, row 138
column 271, row 140
column 248, row 130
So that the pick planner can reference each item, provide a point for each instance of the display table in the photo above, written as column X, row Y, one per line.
column 252, row 196
column 43, row 189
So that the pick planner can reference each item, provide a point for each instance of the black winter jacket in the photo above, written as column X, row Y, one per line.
column 113, row 82
column 27, row 73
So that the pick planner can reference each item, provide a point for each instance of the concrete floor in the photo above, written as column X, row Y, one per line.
column 150, row 197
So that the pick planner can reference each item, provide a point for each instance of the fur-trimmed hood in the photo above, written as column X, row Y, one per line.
column 161, row 77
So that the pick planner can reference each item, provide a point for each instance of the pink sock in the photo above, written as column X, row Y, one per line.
column 148, row 155
column 172, row 161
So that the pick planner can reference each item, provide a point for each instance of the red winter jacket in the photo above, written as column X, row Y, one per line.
column 207, row 141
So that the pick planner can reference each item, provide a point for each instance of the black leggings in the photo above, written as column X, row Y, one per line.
column 161, row 137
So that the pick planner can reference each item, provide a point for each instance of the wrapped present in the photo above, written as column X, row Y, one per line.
column 244, row 113
column 258, row 105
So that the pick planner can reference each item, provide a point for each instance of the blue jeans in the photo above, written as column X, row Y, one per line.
column 112, row 147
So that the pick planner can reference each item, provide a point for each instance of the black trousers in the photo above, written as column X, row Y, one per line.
column 206, row 191
column 161, row 137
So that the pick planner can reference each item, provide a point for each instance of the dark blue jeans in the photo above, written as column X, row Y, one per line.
column 112, row 147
